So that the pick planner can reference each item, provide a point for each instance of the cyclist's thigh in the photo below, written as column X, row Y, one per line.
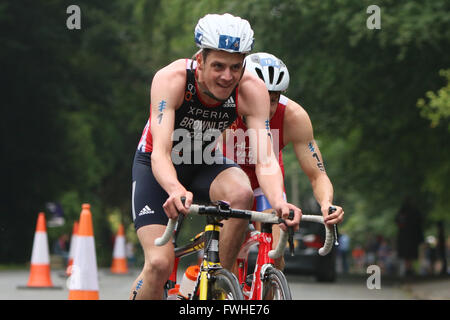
column 230, row 182
column 214, row 178
column 147, row 195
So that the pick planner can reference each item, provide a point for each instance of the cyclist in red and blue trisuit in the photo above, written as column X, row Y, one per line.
column 289, row 123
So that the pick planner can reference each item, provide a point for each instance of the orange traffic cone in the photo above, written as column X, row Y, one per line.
column 40, row 258
column 73, row 243
column 83, row 283
column 119, row 263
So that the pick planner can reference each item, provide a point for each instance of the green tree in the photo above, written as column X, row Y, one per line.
column 438, row 106
column 68, row 121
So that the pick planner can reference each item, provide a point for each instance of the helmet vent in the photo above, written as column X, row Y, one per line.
column 259, row 72
column 271, row 74
column 280, row 78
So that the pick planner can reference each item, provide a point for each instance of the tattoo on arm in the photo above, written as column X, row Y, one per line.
column 316, row 156
column 138, row 286
column 267, row 123
column 161, row 107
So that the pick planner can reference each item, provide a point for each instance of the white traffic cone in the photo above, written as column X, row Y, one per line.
column 119, row 263
column 83, row 283
column 73, row 244
column 40, row 258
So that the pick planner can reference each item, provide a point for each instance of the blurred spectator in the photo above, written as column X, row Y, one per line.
column 410, row 234
column 430, row 254
column 358, row 256
column 441, row 248
column 129, row 251
column 385, row 257
column 61, row 247
column 448, row 253
column 371, row 251
column 424, row 264
column 343, row 251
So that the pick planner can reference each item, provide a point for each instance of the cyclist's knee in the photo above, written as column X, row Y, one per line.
column 241, row 197
column 233, row 186
column 158, row 267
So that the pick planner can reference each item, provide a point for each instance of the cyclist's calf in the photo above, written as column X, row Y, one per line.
column 231, row 238
column 158, row 264
column 150, row 283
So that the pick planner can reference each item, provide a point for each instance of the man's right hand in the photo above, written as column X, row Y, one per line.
column 283, row 212
column 173, row 205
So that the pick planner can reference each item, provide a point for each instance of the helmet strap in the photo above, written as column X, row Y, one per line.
column 210, row 94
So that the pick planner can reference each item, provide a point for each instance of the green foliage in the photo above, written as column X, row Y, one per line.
column 438, row 106
column 437, row 181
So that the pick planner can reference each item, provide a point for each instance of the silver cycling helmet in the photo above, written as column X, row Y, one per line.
column 269, row 69
column 224, row 32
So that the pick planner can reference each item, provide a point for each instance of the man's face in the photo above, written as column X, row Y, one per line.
column 221, row 72
column 274, row 98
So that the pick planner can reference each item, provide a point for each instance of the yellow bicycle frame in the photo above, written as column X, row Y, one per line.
column 211, row 257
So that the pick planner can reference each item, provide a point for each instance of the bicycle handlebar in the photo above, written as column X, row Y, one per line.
column 213, row 210
column 327, row 246
column 252, row 216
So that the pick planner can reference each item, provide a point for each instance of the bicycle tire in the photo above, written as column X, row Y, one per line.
column 275, row 279
column 223, row 285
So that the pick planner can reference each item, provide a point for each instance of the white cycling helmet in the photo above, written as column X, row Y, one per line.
column 224, row 32
column 269, row 69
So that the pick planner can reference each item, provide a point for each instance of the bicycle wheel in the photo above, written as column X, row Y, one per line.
column 275, row 286
column 223, row 285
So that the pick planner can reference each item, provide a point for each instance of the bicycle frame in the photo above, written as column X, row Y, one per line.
column 211, row 262
column 207, row 240
column 196, row 244
column 265, row 239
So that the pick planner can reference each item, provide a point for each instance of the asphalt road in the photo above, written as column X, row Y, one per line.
column 117, row 287
column 348, row 288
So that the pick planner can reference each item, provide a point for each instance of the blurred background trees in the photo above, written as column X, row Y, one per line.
column 74, row 103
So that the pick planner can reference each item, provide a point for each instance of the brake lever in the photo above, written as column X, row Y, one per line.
column 290, row 231
column 291, row 234
column 291, row 240
column 332, row 209
column 179, row 224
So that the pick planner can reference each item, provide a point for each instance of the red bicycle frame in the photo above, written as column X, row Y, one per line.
column 265, row 240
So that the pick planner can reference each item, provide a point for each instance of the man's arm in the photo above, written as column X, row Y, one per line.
column 255, row 106
column 254, row 101
column 298, row 130
column 167, row 93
